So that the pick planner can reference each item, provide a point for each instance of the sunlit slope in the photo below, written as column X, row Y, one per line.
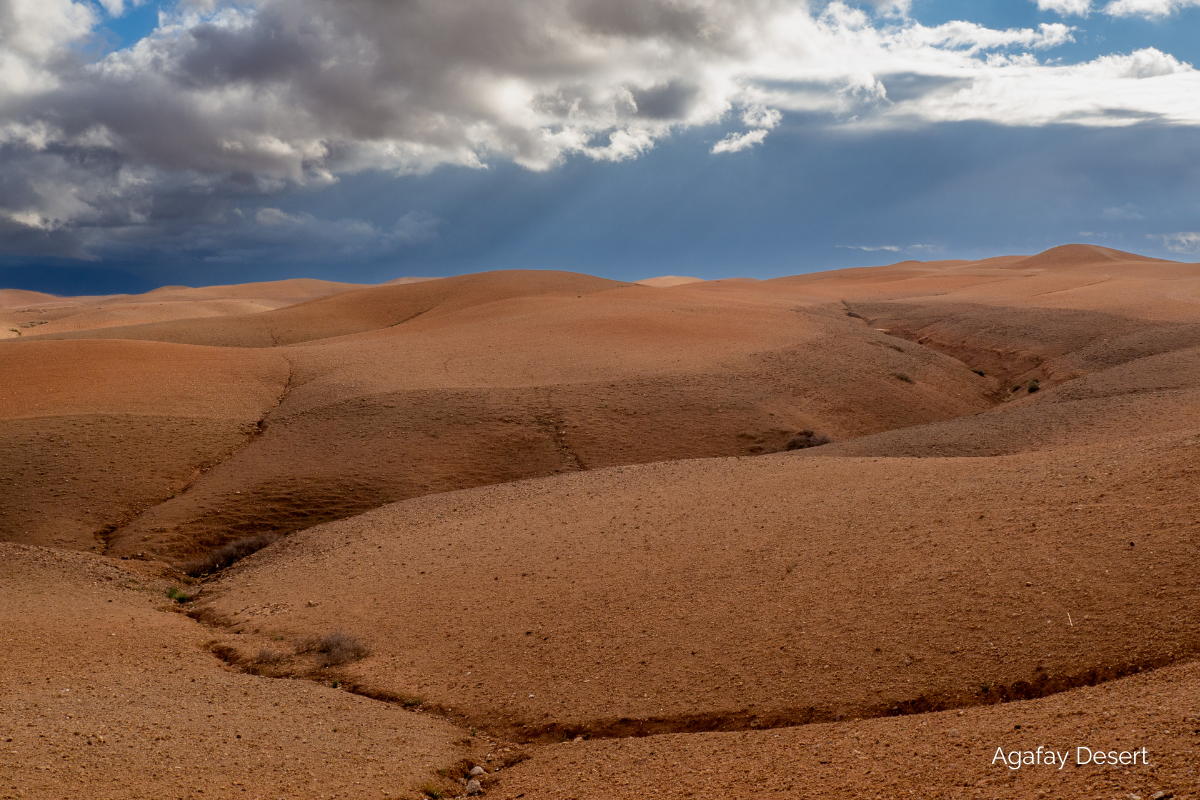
column 33, row 314
column 778, row 589
column 361, row 310
column 501, row 376
column 537, row 385
column 1052, row 544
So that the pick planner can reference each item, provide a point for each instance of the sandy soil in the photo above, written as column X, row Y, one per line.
column 654, row 597
column 562, row 514
column 479, row 380
column 109, row 691
column 943, row 755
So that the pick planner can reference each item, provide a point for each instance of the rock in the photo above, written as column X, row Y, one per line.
column 1161, row 796
column 474, row 787
column 476, row 771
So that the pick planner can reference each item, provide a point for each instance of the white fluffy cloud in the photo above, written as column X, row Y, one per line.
column 1151, row 9
column 257, row 97
column 1147, row 8
column 1185, row 242
column 736, row 142
column 1066, row 7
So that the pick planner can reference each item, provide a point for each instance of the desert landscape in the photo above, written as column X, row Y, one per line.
column 533, row 534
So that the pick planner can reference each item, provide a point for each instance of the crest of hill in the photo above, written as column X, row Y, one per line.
column 666, row 281
column 358, row 311
column 294, row 289
column 407, row 279
column 1078, row 255
column 34, row 314
column 18, row 298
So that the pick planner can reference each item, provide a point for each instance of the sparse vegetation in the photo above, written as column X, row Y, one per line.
column 1034, row 386
column 266, row 656
column 432, row 791
column 807, row 438
column 334, row 648
column 178, row 595
column 228, row 554
column 903, row 376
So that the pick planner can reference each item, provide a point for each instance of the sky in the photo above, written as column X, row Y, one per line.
column 200, row 142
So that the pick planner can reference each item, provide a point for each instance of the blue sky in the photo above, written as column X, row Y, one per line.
column 622, row 139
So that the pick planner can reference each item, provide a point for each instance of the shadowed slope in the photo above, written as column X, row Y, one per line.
column 93, row 433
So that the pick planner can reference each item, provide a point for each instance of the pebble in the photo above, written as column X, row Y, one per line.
column 1161, row 796
column 474, row 787
column 476, row 771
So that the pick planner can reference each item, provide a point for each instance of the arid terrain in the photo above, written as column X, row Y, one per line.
column 846, row 533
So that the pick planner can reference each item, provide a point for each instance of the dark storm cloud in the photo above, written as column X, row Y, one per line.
column 228, row 109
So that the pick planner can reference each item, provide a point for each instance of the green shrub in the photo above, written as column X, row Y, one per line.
column 176, row 594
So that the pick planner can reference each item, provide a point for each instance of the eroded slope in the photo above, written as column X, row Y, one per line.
column 728, row 593
column 105, row 691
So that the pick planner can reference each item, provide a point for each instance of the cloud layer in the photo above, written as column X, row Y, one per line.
column 1150, row 9
column 225, row 106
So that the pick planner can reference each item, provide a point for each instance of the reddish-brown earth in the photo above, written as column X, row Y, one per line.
column 556, row 506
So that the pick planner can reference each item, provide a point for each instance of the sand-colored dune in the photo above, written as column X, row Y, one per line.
column 407, row 279
column 560, row 506
column 1071, row 256
column 535, row 385
column 35, row 314
column 779, row 589
column 667, row 281
column 19, row 298
column 359, row 311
